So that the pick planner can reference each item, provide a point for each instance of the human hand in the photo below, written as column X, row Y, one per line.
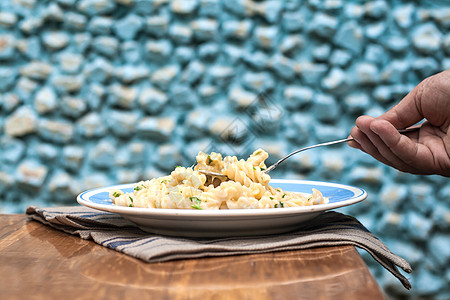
column 426, row 151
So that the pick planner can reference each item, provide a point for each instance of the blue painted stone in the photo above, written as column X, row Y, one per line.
column 30, row 47
column 74, row 21
column 197, row 122
column 72, row 157
column 375, row 31
column 395, row 71
column 325, row 108
column 293, row 21
column 181, row 34
column 426, row 66
column 325, row 26
column 163, row 77
column 132, row 154
column 209, row 8
column 71, row 63
column 393, row 196
column 333, row 164
column 158, row 50
column 94, row 94
column 270, row 10
column 283, row 67
column 418, row 226
column 63, row 188
column 297, row 96
column 266, row 37
column 157, row 129
column 306, row 162
column 428, row 283
column 375, row 54
column 356, row 103
column 397, row 44
column 325, row 133
column 131, row 74
column 122, row 123
column 208, row 93
column 184, row 55
column 208, row 51
column 36, row 70
column 12, row 149
column 59, row 132
column 221, row 75
column 257, row 60
column 21, row 122
column 404, row 16
column 96, row 7
column 426, row 38
column 183, row 7
column 421, row 197
column 291, row 44
column 182, row 96
column 258, row 82
column 235, row 6
column 439, row 248
column 145, row 7
column 47, row 153
column 353, row 10
column 239, row 30
column 128, row 27
column 31, row 25
column 8, row 77
column 31, row 175
column 233, row 54
column 7, row 47
column 350, row 36
column 82, row 42
column 366, row 74
column 9, row 102
column 267, row 118
column 91, row 126
column 102, row 155
column 67, row 3
column 193, row 73
column 340, row 58
column 390, row 223
column 130, row 51
column 205, row 29
column 168, row 156
column 73, row 107
column 312, row 73
column 336, row 82
column 122, row 96
column 376, row 9
column 321, row 53
column 99, row 25
column 25, row 88
column 106, row 45
column 157, row 25
column 100, row 70
column 367, row 175
column 152, row 100
column 8, row 19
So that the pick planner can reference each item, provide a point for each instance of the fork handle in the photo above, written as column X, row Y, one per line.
column 410, row 129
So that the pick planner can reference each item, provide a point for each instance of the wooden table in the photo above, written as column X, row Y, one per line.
column 38, row 262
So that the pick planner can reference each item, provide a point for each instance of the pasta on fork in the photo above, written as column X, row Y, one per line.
column 245, row 186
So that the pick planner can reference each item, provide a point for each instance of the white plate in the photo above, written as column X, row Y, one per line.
column 229, row 222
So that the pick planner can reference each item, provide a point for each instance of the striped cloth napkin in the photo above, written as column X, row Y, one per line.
column 115, row 232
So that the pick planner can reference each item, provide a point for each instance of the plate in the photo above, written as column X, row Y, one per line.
column 229, row 222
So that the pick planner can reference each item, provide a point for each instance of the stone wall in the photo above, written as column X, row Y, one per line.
column 101, row 92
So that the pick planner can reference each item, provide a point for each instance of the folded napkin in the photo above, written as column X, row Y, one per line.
column 115, row 232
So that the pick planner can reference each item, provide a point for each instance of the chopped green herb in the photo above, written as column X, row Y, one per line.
column 209, row 160
column 164, row 181
column 279, row 190
column 254, row 168
column 177, row 166
column 131, row 205
column 276, row 205
column 258, row 152
column 131, row 199
column 197, row 202
column 271, row 198
column 283, row 196
column 262, row 169
column 138, row 188
column 116, row 194
column 281, row 204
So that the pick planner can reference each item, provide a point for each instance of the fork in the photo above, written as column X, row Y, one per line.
column 402, row 131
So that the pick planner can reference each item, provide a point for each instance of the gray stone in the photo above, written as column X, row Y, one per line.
column 31, row 174
column 12, row 150
column 45, row 100
column 36, row 70
column 324, row 26
column 266, row 37
column 258, row 82
column 163, row 77
column 74, row 21
column 205, row 29
column 8, row 77
column 56, row 131
column 22, row 122
column 122, row 96
column 96, row 7
column 350, row 36
column 91, row 126
column 426, row 38
column 128, row 27
column 239, row 30
column 7, row 46
column 55, row 40
column 157, row 129
column 122, row 124
column 183, row 7
column 72, row 157
column 157, row 25
column 297, row 96
column 152, row 100
column 73, row 107
column 106, row 45
column 100, row 25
